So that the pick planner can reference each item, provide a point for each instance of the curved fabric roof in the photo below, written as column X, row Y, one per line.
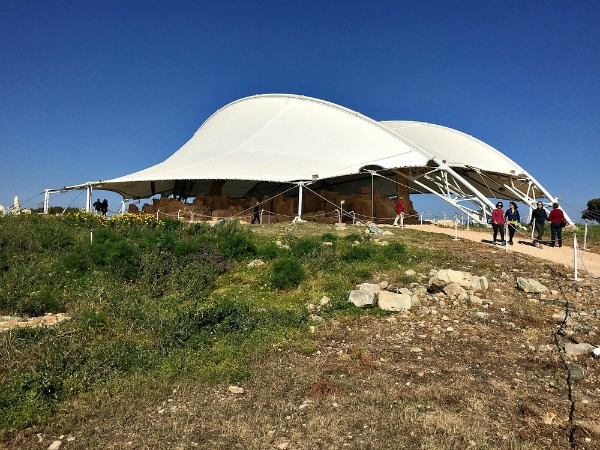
column 457, row 149
column 280, row 138
column 266, row 140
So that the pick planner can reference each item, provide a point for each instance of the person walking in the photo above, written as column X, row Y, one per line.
column 557, row 218
column 104, row 207
column 513, row 218
column 256, row 215
column 539, row 216
column 97, row 206
column 498, row 222
column 399, row 212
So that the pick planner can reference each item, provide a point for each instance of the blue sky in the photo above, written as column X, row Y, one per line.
column 98, row 89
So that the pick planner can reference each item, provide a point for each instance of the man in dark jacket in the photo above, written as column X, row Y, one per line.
column 539, row 216
column 256, row 215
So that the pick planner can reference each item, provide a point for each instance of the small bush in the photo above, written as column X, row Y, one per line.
column 328, row 237
column 39, row 303
column 307, row 248
column 286, row 273
column 237, row 246
column 268, row 251
column 358, row 253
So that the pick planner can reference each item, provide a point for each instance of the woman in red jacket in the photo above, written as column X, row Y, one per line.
column 498, row 222
column 556, row 219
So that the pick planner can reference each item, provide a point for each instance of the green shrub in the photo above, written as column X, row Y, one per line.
column 328, row 237
column 268, row 251
column 108, row 250
column 307, row 248
column 237, row 246
column 358, row 253
column 40, row 302
column 286, row 273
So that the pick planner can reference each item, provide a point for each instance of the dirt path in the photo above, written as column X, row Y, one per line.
column 588, row 263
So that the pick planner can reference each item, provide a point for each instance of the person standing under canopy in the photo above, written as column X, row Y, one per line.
column 256, row 215
column 399, row 212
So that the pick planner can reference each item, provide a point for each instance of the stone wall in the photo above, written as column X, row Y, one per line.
column 320, row 208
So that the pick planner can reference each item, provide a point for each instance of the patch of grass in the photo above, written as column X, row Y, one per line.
column 156, row 300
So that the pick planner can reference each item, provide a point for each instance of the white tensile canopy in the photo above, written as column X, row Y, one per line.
column 258, row 143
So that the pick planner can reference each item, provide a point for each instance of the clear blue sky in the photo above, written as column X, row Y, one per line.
column 93, row 90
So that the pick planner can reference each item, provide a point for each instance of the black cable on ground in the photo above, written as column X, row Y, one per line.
column 558, row 332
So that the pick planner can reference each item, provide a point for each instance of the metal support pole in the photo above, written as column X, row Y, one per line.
column 372, row 202
column 506, row 236
column 342, row 210
column 585, row 235
column 299, row 217
column 260, row 216
column 88, row 199
column 532, row 227
column 46, row 200
column 422, row 218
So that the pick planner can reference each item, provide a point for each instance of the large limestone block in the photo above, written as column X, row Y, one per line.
column 445, row 277
column 390, row 301
column 369, row 287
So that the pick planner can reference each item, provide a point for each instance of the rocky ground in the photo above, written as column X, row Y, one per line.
column 491, row 368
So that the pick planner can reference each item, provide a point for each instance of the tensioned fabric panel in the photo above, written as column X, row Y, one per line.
column 282, row 138
column 456, row 148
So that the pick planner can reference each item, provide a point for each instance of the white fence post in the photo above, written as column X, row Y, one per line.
column 575, row 275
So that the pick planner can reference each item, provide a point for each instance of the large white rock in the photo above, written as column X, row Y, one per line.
column 361, row 298
column 447, row 276
column 369, row 287
column 390, row 301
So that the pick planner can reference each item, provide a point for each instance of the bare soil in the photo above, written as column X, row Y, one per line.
column 448, row 375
